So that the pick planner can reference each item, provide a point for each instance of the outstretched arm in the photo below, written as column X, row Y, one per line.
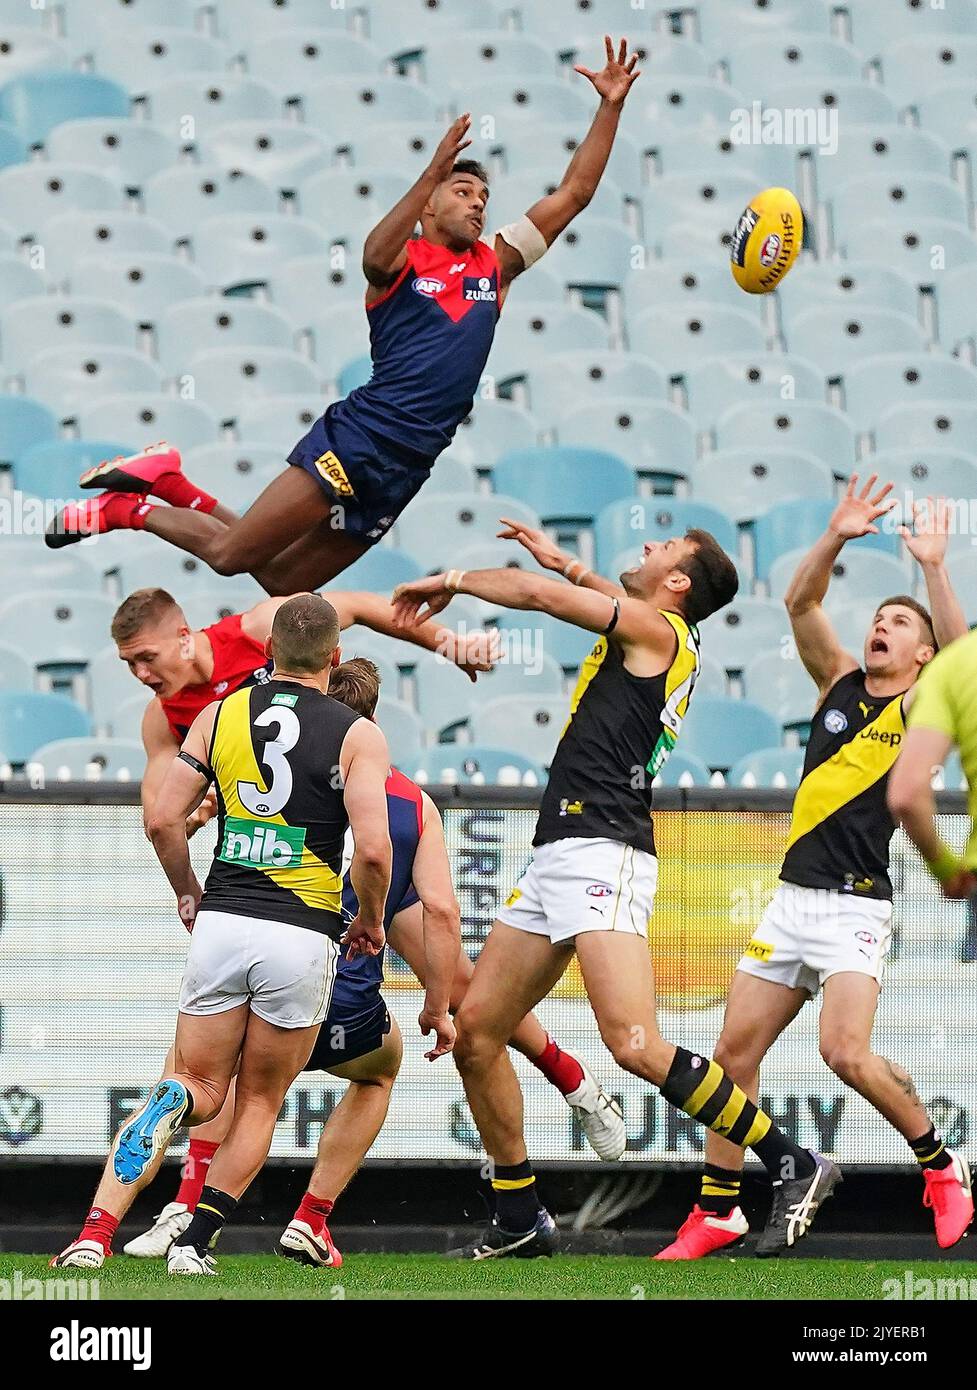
column 926, row 543
column 471, row 652
column 549, row 555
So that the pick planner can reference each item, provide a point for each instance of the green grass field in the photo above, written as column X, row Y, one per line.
column 564, row 1276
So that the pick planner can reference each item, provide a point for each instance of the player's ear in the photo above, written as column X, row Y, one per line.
column 336, row 657
column 268, row 648
column 677, row 581
column 186, row 643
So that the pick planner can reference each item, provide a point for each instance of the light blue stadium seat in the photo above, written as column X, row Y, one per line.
column 410, row 24
column 15, row 673
column 208, row 100
column 445, row 698
column 28, row 720
column 684, row 282
column 494, row 427
column 73, row 236
column 710, row 201
column 855, row 101
column 850, row 285
column 8, row 237
column 282, row 153
column 744, row 627
column 514, row 100
column 657, row 53
column 65, row 378
column 869, row 196
column 757, row 63
column 892, row 378
column 24, row 49
column 212, row 322
column 712, row 151
column 953, row 774
column 656, row 439
column 344, row 201
column 490, row 555
column 859, row 574
column 405, row 144
column 239, row 248
column 530, row 725
column 558, row 23
column 724, row 23
column 447, row 522
column 205, row 606
column 679, row 338
column 131, row 16
column 964, row 570
column 711, row 679
column 55, row 626
column 36, row 325
column 540, row 634
column 15, row 12
column 340, row 333
column 90, row 760
column 128, row 152
column 145, row 57
column 150, row 559
column 333, row 284
column 342, row 105
column 924, row 248
column 32, row 194
column 23, row 423
column 927, row 471
column 563, row 380
column 553, row 144
column 475, row 765
column 387, row 671
column 750, row 481
column 143, row 284
column 894, row 151
column 837, row 338
column 624, row 523
column 455, row 473
column 145, row 418
column 280, row 420
column 778, row 683
column 17, row 281
column 819, row 429
column 236, row 473
column 721, row 732
column 35, row 102
column 595, row 253
column 355, row 373
column 13, row 149
column 683, row 770
column 688, row 101
column 295, row 58
column 563, row 483
column 450, row 62
column 26, row 565
column 183, row 198
column 797, row 525
column 529, row 331
column 127, row 718
column 769, row 767
column 950, row 115
column 721, row 382
column 957, row 300
column 943, row 425
column 403, row 729
column 913, row 67
column 874, row 27
column 227, row 379
column 512, row 194
column 520, row 672
column 380, row 570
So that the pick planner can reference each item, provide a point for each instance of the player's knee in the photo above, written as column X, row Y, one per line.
column 225, row 560
column 474, row 1043
column 845, row 1058
column 635, row 1049
column 737, row 1061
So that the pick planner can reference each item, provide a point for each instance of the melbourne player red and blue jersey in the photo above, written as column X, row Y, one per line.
column 430, row 336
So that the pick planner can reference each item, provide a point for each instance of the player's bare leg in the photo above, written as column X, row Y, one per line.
column 311, row 561
column 847, row 1017
column 346, row 1139
column 757, row 1012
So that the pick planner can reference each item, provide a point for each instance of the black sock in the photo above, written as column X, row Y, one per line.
column 213, row 1209
column 720, row 1191
column 516, row 1202
column 702, row 1089
column 930, row 1151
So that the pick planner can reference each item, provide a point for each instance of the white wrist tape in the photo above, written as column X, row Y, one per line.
column 526, row 238
column 452, row 580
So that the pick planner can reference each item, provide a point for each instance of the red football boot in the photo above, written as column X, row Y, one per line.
column 702, row 1233
column 110, row 511
column 948, row 1194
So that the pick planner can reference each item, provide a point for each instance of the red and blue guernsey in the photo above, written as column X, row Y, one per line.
column 430, row 336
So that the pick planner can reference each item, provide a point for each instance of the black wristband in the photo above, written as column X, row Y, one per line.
column 197, row 766
column 613, row 623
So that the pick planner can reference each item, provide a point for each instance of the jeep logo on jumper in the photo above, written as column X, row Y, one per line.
column 478, row 287
column 265, row 846
column 874, row 736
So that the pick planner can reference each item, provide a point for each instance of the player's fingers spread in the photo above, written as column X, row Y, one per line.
column 632, row 63
column 608, row 48
column 883, row 492
column 866, row 491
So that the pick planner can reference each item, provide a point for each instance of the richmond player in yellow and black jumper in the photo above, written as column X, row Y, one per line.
column 828, row 925
column 590, row 887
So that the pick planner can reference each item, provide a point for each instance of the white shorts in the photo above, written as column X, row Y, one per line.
column 808, row 934
column 286, row 973
column 578, row 885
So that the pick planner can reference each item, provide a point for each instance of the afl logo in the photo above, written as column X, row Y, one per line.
column 835, row 722
column 770, row 249
column 600, row 890
column 428, row 286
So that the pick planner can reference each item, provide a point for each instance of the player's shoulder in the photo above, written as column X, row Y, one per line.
column 400, row 785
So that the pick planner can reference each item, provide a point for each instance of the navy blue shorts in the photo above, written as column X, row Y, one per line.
column 344, row 1038
column 367, row 484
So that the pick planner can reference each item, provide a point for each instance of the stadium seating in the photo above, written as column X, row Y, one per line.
column 34, row 326
column 380, row 570
column 625, row 522
column 495, row 427
column 930, row 423
column 30, row 719
column 719, row 383
column 23, row 423
column 35, row 102
column 790, row 525
column 656, row 439
column 279, row 421
column 25, row 564
column 144, row 418
column 769, row 767
column 204, row 606
column 564, row 484
column 127, row 151
column 847, row 284
column 896, row 378
column 778, row 683
column 685, row 337
column 724, row 23
column 469, row 764
column 142, row 284
column 74, row 236
column 873, row 29
column 235, row 473
column 721, row 732
column 683, row 770
column 733, row 636
column 90, row 759
column 403, row 729
column 751, row 481
column 57, row 626
column 187, row 196
column 528, row 331
column 857, row 573
column 66, row 377
column 32, row 194
column 837, row 338
column 818, row 429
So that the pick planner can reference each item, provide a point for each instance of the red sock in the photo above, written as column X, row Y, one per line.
column 177, row 489
column 194, row 1174
column 313, row 1211
column 124, row 512
column 564, row 1071
column 100, row 1226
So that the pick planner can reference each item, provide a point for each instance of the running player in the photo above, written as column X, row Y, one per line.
column 591, row 884
column 829, row 924
column 433, row 304
column 293, row 770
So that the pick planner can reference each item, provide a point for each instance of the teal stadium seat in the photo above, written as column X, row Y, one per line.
column 719, row 383
column 922, row 248
column 280, row 421
column 838, row 338
column 36, row 325
column 869, row 196
column 239, row 21
column 927, row 471
column 146, row 418
column 143, row 57
column 869, row 150
column 845, row 285
column 342, row 105
column 25, row 565
column 721, row 732
column 32, row 194
column 30, row 719
column 211, row 322
column 238, row 248
column 529, row 724
column 35, row 102
column 228, row 379
column 355, row 373
column 751, row 481
column 65, row 378
column 403, row 730
column 940, row 424
column 380, row 570
column 53, row 469
column 539, row 634
column 860, row 573
column 563, row 380
column 778, row 683
column 23, row 423
column 143, row 284
column 294, row 58
column 873, row 28
column 445, row 698
column 281, row 153
column 333, row 284
column 74, row 236
column 126, row 151
column 13, row 149
column 340, row 333
column 681, row 338
column 912, row 68
column 529, row 331
column 564, row 484
column 236, row 473
column 205, row 606
column 893, row 378
column 469, row 764
column 90, row 760
column 817, row 429
column 208, row 100
column 454, row 521
column 683, row 770
column 57, row 626
column 957, row 298
column 15, row 674
column 744, row 627
column 724, row 23
column 797, row 525
column 769, row 767
column 758, row 62
column 17, row 282
column 657, row 440
column 494, row 427
column 623, row 523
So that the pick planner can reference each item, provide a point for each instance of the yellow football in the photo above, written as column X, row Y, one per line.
column 766, row 241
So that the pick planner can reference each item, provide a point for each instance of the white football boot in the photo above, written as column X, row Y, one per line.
column 184, row 1259
column 172, row 1221
column 599, row 1115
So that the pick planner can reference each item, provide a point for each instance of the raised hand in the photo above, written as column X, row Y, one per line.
column 614, row 80
column 856, row 513
column 451, row 146
column 408, row 598
column 543, row 550
column 927, row 541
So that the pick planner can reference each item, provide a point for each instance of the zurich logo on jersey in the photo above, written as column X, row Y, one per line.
column 428, row 286
column 478, row 288
column 835, row 721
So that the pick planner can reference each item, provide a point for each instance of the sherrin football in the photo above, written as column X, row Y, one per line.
column 766, row 241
